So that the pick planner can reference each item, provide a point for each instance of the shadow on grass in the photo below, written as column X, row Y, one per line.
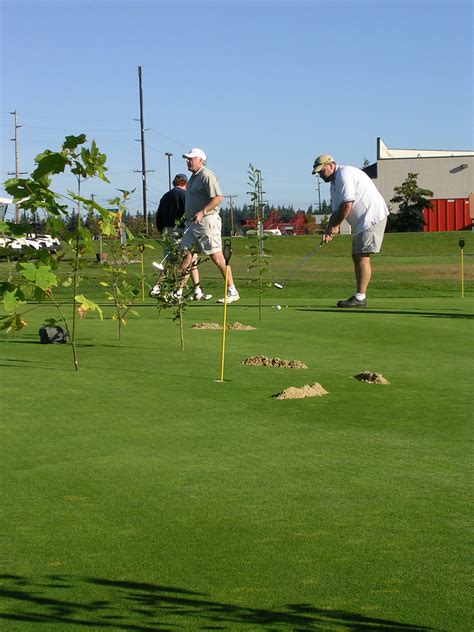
column 31, row 341
column 22, row 341
column 393, row 312
column 144, row 607
column 30, row 364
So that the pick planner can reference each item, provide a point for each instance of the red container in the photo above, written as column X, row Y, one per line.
column 447, row 215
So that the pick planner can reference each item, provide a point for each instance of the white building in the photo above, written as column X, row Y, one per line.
column 448, row 173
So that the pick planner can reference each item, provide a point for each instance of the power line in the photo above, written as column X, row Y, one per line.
column 178, row 142
column 62, row 129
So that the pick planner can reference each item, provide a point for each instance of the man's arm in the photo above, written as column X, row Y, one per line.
column 210, row 206
column 336, row 220
column 160, row 218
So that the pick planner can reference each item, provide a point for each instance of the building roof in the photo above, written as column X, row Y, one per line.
column 384, row 152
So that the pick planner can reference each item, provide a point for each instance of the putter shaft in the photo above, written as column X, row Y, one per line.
column 298, row 266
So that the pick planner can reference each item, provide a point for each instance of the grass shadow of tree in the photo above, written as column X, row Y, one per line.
column 145, row 607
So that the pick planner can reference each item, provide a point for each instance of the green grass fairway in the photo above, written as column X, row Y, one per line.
column 141, row 494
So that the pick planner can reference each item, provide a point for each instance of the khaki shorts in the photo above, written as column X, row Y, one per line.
column 369, row 241
column 203, row 237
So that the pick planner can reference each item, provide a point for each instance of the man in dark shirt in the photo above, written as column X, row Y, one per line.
column 171, row 207
column 170, row 221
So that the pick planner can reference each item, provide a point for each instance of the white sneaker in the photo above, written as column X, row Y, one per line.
column 200, row 296
column 176, row 296
column 155, row 291
column 231, row 297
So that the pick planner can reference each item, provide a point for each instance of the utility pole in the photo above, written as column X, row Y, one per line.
column 142, row 141
column 259, row 211
column 319, row 194
column 258, row 186
column 78, row 200
column 16, row 173
column 260, row 193
column 168, row 154
column 231, row 207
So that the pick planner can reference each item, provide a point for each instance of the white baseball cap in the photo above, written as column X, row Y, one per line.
column 195, row 152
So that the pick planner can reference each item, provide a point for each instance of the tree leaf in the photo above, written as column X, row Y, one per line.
column 50, row 322
column 45, row 279
column 71, row 142
column 11, row 302
column 85, row 304
column 40, row 276
column 13, row 322
column 29, row 271
column 53, row 162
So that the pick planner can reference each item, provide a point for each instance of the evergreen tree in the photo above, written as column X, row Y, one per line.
column 325, row 208
column 411, row 201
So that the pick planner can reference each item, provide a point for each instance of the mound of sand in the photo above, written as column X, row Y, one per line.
column 308, row 390
column 235, row 326
column 371, row 378
column 278, row 362
column 240, row 327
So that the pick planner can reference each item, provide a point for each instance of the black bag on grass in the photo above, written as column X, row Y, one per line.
column 52, row 335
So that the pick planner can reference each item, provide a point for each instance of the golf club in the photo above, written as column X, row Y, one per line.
column 159, row 266
column 280, row 286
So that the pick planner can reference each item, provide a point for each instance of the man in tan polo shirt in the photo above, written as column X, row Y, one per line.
column 203, row 222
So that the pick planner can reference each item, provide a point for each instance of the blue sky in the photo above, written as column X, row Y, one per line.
column 268, row 82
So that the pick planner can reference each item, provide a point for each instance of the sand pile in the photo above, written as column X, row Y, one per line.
column 240, row 327
column 371, row 378
column 278, row 362
column 308, row 390
column 235, row 326
column 206, row 326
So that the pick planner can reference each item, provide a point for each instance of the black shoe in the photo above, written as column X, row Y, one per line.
column 352, row 302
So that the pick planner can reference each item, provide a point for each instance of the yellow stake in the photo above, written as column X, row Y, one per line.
column 143, row 274
column 224, row 326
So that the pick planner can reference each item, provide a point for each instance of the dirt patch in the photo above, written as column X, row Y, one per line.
column 234, row 326
column 240, row 327
column 371, row 378
column 206, row 326
column 308, row 390
column 278, row 362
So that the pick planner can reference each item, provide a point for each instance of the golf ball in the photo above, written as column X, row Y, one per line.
column 278, row 306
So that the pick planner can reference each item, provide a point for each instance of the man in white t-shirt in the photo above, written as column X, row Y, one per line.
column 354, row 198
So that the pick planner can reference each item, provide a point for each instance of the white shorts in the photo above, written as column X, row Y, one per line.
column 204, row 236
column 369, row 241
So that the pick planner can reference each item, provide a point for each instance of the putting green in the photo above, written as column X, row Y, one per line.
column 139, row 493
